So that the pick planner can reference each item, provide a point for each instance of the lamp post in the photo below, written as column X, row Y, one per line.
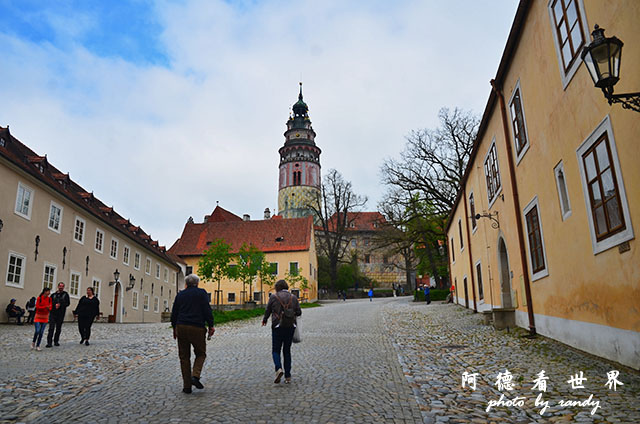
column 132, row 282
column 116, row 278
column 602, row 58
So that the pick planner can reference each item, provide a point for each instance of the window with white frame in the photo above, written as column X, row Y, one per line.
column 74, row 284
column 274, row 268
column 156, row 304
column 96, row 283
column 24, row 200
column 78, row 231
column 49, row 276
column 126, row 251
column 472, row 209
column 16, row 270
column 231, row 297
column 460, row 234
column 136, row 261
column 570, row 33
column 563, row 193
column 145, row 304
column 158, row 271
column 166, row 275
column 55, row 217
column 480, row 286
column 492, row 173
column 134, row 300
column 147, row 267
column 113, row 253
column 602, row 183
column 99, row 246
column 293, row 268
column 535, row 241
column 453, row 252
column 165, row 305
column 518, row 123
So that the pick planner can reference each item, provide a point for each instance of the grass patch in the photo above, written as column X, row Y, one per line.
column 310, row 305
column 220, row 317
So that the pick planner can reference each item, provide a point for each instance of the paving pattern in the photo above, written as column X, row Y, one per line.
column 387, row 361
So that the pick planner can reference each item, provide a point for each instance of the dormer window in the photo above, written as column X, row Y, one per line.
column 2, row 142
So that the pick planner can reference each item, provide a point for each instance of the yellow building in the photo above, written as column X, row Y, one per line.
column 287, row 243
column 52, row 230
column 556, row 167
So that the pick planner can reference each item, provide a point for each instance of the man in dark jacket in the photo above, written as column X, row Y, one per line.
column 14, row 311
column 60, row 300
column 191, row 310
column 282, row 328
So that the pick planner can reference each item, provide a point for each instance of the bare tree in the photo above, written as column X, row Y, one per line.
column 334, row 209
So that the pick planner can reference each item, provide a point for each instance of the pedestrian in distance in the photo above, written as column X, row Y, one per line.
column 427, row 294
column 283, row 308
column 60, row 300
column 87, row 310
column 190, row 312
column 31, row 308
column 14, row 311
column 43, row 308
column 370, row 295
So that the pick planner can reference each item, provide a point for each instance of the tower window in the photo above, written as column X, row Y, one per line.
column 297, row 177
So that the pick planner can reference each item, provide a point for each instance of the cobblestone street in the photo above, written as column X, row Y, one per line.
column 384, row 361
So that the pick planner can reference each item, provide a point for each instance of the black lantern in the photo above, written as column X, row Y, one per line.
column 602, row 58
column 132, row 282
column 116, row 278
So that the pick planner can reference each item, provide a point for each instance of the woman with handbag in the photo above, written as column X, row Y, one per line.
column 283, row 308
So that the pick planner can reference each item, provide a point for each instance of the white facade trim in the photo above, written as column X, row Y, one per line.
column 84, row 230
column 556, row 171
column 520, row 155
column 101, row 250
column 55, row 274
column 79, row 274
column 484, row 161
column 59, row 206
column 543, row 273
column 18, row 210
column 23, row 270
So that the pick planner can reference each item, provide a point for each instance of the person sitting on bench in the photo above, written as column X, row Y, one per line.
column 14, row 311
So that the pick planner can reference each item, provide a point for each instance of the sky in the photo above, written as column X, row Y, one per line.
column 163, row 108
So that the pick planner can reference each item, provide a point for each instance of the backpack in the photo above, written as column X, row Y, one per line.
column 287, row 314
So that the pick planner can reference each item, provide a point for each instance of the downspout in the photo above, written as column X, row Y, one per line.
column 516, row 205
column 466, row 225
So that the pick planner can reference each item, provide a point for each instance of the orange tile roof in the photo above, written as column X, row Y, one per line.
column 222, row 215
column 270, row 235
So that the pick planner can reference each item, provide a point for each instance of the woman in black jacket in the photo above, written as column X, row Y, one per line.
column 87, row 310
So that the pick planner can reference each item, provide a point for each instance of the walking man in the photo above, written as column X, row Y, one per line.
column 191, row 310
column 60, row 300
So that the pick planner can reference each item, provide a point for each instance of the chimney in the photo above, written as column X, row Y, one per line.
column 267, row 213
column 246, row 217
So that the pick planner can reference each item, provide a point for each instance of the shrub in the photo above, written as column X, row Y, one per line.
column 436, row 294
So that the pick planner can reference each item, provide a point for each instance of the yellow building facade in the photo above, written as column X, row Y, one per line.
column 555, row 174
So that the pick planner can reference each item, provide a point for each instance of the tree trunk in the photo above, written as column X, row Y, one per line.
column 333, row 272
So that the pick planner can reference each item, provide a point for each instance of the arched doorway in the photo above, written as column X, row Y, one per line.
column 117, row 308
column 505, row 274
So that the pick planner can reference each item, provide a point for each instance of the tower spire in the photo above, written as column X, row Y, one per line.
column 300, row 95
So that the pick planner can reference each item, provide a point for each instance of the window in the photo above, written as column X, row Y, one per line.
column 537, row 256
column 96, row 287
column 189, row 270
column 257, row 297
column 74, row 283
column 569, row 23
column 99, row 241
column 472, row 208
column 24, row 200
column 78, row 232
column 136, row 261
column 602, row 183
column 15, row 270
column 156, row 304
column 55, row 217
column 165, row 304
column 125, row 255
column 367, row 259
column 145, row 305
column 479, row 273
column 563, row 194
column 231, row 297
column 113, row 254
column 166, row 275
column 293, row 268
column 353, row 243
column 460, row 234
column 49, row 276
column 158, row 271
column 296, row 293
column 147, row 267
column 274, row 268
column 518, row 123
column 366, row 242
column 297, row 177
column 492, row 173
column 134, row 300
column 453, row 252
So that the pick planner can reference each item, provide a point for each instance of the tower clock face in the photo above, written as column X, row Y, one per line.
column 297, row 135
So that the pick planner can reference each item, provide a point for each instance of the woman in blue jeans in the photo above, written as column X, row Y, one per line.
column 43, row 307
column 282, row 327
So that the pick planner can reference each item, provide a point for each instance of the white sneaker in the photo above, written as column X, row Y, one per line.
column 279, row 375
column 38, row 348
column 33, row 345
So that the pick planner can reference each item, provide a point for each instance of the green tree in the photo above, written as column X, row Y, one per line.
column 346, row 276
column 294, row 277
column 214, row 264
column 267, row 274
column 249, row 261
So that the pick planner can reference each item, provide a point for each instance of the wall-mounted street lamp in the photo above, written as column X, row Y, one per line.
column 132, row 282
column 493, row 216
column 602, row 58
column 116, row 278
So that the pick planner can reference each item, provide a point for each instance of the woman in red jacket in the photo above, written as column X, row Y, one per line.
column 43, row 307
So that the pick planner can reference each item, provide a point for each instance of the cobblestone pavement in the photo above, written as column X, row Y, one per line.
column 387, row 361
column 437, row 343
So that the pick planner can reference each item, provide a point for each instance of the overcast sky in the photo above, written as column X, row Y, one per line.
column 163, row 108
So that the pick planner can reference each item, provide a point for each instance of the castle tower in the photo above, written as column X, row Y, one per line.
column 299, row 165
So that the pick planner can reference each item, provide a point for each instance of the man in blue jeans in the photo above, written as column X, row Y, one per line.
column 281, row 305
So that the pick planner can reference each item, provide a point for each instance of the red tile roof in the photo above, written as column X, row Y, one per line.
column 14, row 151
column 222, row 215
column 271, row 235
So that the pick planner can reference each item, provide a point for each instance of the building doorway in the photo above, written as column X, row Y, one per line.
column 466, row 294
column 505, row 274
column 117, row 314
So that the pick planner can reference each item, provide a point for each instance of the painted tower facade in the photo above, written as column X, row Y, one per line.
column 299, row 182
